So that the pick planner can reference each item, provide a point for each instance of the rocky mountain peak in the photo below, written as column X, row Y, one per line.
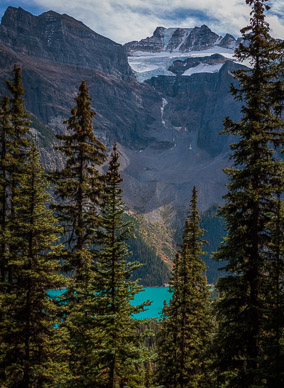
column 181, row 40
column 62, row 39
column 200, row 38
column 159, row 32
column 228, row 42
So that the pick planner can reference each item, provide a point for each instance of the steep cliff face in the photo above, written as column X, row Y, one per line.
column 198, row 105
column 200, row 38
column 180, row 67
column 167, row 128
column 181, row 39
column 61, row 39
column 56, row 52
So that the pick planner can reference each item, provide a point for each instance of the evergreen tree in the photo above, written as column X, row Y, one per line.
column 120, row 350
column 78, row 185
column 14, row 148
column 19, row 119
column 273, row 363
column 78, row 188
column 185, row 333
column 5, row 129
column 29, row 348
column 246, row 308
column 149, row 378
column 168, row 364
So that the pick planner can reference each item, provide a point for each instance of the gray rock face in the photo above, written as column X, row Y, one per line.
column 177, row 38
column 228, row 41
column 61, row 39
column 167, row 128
column 153, row 43
column 200, row 101
column 179, row 66
column 181, row 39
column 200, row 38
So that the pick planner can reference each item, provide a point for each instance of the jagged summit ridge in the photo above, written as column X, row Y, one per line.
column 179, row 51
column 182, row 40
column 166, row 128
column 61, row 39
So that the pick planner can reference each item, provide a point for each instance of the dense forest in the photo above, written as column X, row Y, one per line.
column 70, row 229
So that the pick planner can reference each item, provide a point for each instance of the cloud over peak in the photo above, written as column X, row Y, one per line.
column 129, row 20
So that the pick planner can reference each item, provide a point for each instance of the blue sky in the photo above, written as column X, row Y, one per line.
column 126, row 20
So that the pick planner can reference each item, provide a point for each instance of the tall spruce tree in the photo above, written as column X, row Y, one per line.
column 120, row 350
column 273, row 363
column 14, row 147
column 29, row 349
column 5, row 130
column 19, row 121
column 168, row 363
column 249, row 291
column 78, row 188
column 185, row 331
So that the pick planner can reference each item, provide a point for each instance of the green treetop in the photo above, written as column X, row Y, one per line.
column 14, row 126
column 78, row 186
column 5, row 130
column 19, row 117
column 185, row 333
column 120, row 348
column 245, row 307
column 20, row 129
column 30, row 350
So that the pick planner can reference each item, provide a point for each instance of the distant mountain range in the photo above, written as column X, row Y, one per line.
column 180, row 51
column 167, row 125
column 182, row 40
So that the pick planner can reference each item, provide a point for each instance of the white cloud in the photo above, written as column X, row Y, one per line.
column 126, row 20
column 277, row 28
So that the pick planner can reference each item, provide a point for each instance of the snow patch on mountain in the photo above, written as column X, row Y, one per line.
column 203, row 68
column 167, row 34
column 164, row 103
column 153, row 56
column 151, row 64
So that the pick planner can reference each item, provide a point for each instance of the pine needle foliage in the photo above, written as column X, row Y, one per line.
column 253, row 282
column 78, row 190
column 185, row 332
column 6, row 132
column 121, row 351
column 29, row 349
column 14, row 128
column 78, row 186
column 19, row 122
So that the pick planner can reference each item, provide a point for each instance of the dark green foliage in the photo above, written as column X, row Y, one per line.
column 213, row 224
column 78, row 185
column 154, row 271
column 19, row 122
column 185, row 328
column 78, row 188
column 249, row 292
column 6, row 132
column 46, row 134
column 29, row 349
column 273, row 342
column 120, row 350
column 14, row 147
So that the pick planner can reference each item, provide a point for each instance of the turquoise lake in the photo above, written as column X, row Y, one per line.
column 155, row 294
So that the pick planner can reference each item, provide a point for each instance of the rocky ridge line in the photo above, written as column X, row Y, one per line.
column 182, row 40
